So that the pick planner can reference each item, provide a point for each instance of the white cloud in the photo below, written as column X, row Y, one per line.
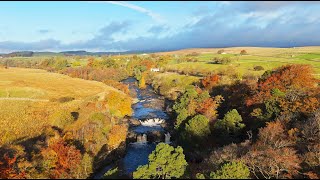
column 148, row 12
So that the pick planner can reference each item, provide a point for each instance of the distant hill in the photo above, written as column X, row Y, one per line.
column 231, row 50
column 19, row 54
column 69, row 53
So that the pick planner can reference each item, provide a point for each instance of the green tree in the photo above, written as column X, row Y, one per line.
column 183, row 115
column 111, row 174
column 184, row 101
column 233, row 170
column 231, row 122
column 198, row 126
column 60, row 63
column 109, row 62
column 200, row 176
column 165, row 162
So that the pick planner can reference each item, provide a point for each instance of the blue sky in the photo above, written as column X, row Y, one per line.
column 139, row 25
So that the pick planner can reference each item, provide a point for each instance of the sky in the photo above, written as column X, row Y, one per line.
column 156, row 25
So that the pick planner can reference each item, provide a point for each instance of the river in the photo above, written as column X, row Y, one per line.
column 149, row 111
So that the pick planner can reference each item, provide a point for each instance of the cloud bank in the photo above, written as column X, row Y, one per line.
column 271, row 24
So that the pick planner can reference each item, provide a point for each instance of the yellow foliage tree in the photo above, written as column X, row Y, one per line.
column 117, row 135
column 142, row 81
column 118, row 104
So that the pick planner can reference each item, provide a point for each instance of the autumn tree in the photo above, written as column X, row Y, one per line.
column 210, row 81
column 148, row 64
column 90, row 62
column 310, row 132
column 243, row 52
column 165, row 162
column 290, row 88
column 61, row 160
column 193, row 101
column 142, row 81
column 272, row 155
column 9, row 168
column 118, row 104
column 116, row 136
column 163, row 60
column 209, row 106
column 118, row 85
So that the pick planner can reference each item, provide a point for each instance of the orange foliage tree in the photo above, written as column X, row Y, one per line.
column 90, row 62
column 293, row 87
column 210, row 81
column 9, row 169
column 61, row 160
column 272, row 156
column 148, row 63
column 243, row 52
column 122, row 87
column 209, row 106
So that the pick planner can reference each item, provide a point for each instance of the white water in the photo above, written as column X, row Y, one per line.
column 167, row 138
column 152, row 122
column 142, row 138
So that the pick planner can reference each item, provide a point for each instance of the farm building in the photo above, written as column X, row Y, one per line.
column 155, row 69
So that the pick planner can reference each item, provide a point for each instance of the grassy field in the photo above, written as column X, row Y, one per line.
column 25, row 99
column 170, row 84
column 40, row 84
column 268, row 58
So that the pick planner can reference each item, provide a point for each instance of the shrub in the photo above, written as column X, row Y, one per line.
column 97, row 116
column 243, row 52
column 220, row 51
column 223, row 60
column 61, row 118
column 194, row 54
column 258, row 68
column 76, row 63
column 200, row 176
column 65, row 99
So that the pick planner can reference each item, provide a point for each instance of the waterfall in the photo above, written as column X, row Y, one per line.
column 167, row 138
column 152, row 122
column 139, row 138
column 142, row 138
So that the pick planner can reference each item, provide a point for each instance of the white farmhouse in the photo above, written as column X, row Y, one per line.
column 155, row 69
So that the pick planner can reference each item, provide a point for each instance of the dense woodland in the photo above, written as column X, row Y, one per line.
column 225, row 125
